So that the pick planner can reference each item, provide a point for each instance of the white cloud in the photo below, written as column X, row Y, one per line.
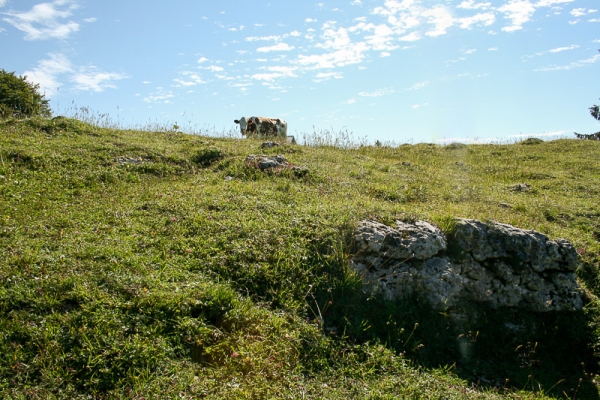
column 275, row 72
column 471, row 5
column 49, row 71
column 2, row 3
column 411, row 37
column 382, row 37
column 555, row 50
column 559, row 49
column 43, row 21
column 90, row 20
column 441, row 17
column 324, row 76
column 339, row 48
column 91, row 78
column 277, row 47
column 418, row 85
column 310, row 20
column 384, row 54
column 575, row 64
column 485, row 19
column 213, row 68
column 202, row 60
column 349, row 101
column 265, row 38
column 547, row 3
column 519, row 12
column 190, row 79
column 493, row 49
column 160, row 96
column 377, row 93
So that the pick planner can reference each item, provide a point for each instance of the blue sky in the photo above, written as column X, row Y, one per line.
column 389, row 70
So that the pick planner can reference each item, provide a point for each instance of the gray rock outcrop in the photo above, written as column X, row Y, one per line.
column 483, row 262
column 264, row 162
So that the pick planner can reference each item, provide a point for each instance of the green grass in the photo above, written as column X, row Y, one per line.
column 142, row 264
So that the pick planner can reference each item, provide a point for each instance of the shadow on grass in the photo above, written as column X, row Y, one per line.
column 500, row 349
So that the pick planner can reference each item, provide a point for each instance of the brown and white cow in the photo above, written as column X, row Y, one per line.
column 262, row 127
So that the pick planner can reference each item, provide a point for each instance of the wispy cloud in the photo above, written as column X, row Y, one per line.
column 160, row 96
column 471, row 5
column 580, row 12
column 277, row 47
column 518, row 12
column 559, row 49
column 324, row 76
column 574, row 64
column 45, row 20
column 51, row 72
column 555, row 50
column 92, row 79
column 263, row 38
column 418, row 85
column 441, row 18
column 339, row 48
column 274, row 73
column 48, row 71
column 189, row 79
column 377, row 93
column 213, row 68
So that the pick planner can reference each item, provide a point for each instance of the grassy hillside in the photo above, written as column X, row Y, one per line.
column 138, row 264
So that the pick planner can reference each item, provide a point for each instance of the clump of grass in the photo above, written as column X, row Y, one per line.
column 531, row 141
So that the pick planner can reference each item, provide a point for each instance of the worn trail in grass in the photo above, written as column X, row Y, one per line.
column 159, row 264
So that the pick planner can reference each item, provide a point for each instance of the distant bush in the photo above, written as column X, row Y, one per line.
column 595, row 112
column 532, row 140
column 20, row 98
column 207, row 157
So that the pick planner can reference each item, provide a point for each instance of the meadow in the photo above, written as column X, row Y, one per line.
column 153, row 264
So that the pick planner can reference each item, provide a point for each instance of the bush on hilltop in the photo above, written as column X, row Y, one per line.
column 20, row 98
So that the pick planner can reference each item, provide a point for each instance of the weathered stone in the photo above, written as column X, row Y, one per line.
column 420, row 240
column 494, row 263
column 268, row 145
column 523, row 248
column 265, row 162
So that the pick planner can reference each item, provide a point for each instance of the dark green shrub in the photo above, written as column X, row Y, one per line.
column 20, row 98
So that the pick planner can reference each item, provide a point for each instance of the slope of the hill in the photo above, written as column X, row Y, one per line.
column 139, row 264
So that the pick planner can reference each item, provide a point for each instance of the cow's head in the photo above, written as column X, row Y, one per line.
column 247, row 125
column 243, row 124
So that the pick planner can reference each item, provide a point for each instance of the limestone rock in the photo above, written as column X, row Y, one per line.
column 483, row 262
column 265, row 162
column 420, row 240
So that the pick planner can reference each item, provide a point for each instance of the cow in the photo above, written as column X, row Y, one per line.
column 262, row 127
